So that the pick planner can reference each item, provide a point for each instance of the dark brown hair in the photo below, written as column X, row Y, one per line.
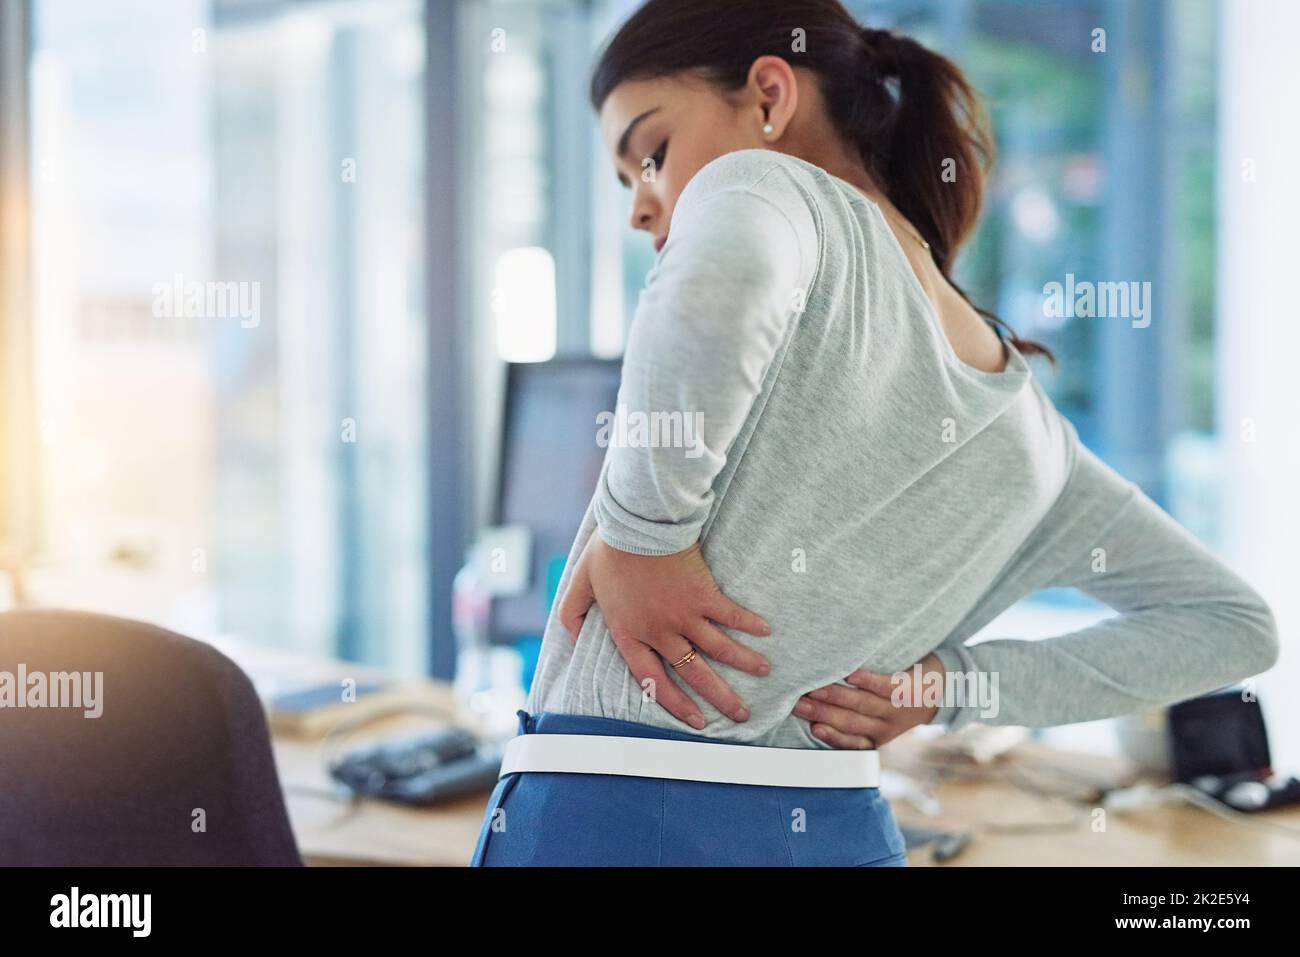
column 909, row 112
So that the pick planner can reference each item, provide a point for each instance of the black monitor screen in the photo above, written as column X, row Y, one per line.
column 550, row 463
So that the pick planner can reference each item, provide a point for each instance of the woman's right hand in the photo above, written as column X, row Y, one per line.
column 874, row 710
column 656, row 607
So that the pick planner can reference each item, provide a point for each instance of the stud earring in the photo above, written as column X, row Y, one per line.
column 768, row 129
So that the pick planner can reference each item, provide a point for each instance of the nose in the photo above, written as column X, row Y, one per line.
column 643, row 214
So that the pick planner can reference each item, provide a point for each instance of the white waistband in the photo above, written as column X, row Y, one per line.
column 691, row 761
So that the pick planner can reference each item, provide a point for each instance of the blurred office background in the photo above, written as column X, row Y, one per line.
column 417, row 190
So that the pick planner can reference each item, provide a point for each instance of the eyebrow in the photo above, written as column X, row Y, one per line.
column 627, row 135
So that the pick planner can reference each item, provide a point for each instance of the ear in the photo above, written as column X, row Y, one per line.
column 776, row 93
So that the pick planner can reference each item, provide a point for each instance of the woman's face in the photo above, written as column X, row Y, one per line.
column 661, row 132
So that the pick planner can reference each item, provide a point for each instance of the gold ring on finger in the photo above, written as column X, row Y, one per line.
column 685, row 659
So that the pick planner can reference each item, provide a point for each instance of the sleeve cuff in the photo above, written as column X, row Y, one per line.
column 620, row 529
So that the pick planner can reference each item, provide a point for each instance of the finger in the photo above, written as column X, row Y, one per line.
column 701, row 677
column 577, row 601
column 873, row 681
column 648, row 669
column 726, row 612
column 573, row 615
column 722, row 648
column 844, row 720
column 855, row 699
column 845, row 742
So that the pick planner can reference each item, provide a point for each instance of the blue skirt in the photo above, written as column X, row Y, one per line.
column 544, row 818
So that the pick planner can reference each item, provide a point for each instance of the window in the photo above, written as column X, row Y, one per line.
column 1104, row 120
column 229, row 318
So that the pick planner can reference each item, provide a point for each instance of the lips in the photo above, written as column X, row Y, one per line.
column 659, row 243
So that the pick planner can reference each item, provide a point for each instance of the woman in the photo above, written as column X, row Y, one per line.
column 876, row 471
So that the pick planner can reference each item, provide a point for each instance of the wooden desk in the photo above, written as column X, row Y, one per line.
column 1009, row 825
column 372, row 832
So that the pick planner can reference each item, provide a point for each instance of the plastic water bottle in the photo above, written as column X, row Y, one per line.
column 489, row 680
column 471, row 605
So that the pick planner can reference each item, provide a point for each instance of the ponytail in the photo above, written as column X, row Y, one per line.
column 925, row 138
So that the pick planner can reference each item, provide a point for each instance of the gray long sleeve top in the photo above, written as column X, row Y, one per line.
column 867, row 492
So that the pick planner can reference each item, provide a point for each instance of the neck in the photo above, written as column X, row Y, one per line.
column 839, row 163
column 854, row 174
column 811, row 137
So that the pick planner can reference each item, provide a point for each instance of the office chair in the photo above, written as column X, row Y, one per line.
column 176, row 770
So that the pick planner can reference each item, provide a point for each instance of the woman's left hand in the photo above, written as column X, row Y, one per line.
column 864, row 716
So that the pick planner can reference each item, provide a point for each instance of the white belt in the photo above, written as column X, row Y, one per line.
column 691, row 761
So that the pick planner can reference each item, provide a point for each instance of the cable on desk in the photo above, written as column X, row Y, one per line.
column 340, row 794
column 1011, row 772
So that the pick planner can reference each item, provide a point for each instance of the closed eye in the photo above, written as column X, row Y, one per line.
column 657, row 158
column 656, row 161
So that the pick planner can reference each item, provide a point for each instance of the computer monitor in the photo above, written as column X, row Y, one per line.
column 550, row 464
